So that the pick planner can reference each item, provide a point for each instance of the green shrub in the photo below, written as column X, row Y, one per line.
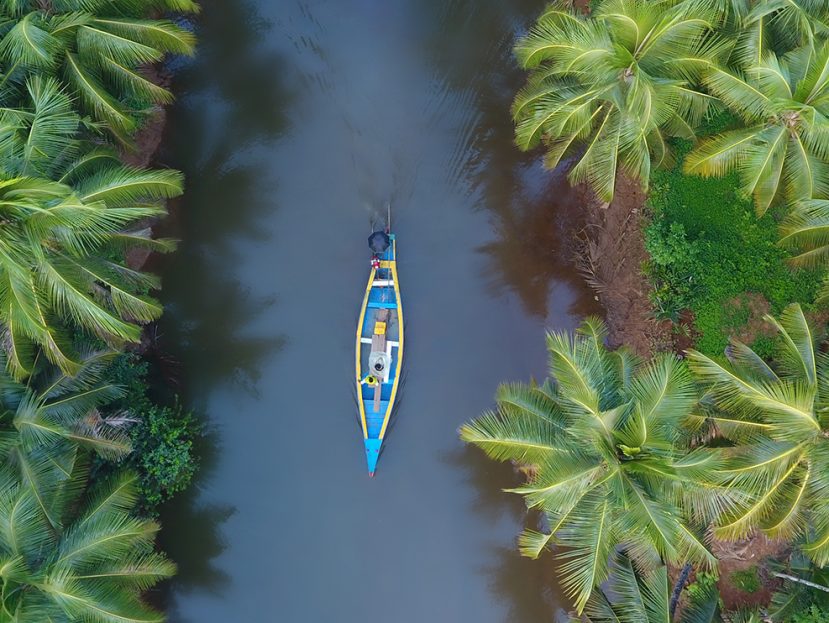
column 699, row 587
column 163, row 452
column 746, row 580
column 162, row 437
column 708, row 249
column 811, row 614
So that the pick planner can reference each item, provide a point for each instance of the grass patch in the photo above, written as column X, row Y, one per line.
column 708, row 249
column 699, row 587
column 812, row 614
column 746, row 580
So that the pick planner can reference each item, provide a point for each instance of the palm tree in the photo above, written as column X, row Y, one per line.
column 68, row 554
column 94, row 566
column 96, row 49
column 602, row 441
column 777, row 417
column 47, row 424
column 760, row 26
column 610, row 88
column 641, row 596
column 60, row 241
column 782, row 151
column 805, row 230
column 56, row 266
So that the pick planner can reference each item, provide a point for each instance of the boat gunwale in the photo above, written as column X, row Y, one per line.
column 392, row 266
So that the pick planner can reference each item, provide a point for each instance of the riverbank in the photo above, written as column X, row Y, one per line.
column 612, row 252
column 165, row 433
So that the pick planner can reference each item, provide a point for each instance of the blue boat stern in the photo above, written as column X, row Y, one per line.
column 372, row 454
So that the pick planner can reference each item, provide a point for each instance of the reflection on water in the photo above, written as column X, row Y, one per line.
column 219, row 116
column 527, row 202
column 527, row 586
column 297, row 123
column 192, row 537
column 207, row 308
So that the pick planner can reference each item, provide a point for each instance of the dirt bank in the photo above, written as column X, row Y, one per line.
column 146, row 143
column 610, row 252
column 608, row 248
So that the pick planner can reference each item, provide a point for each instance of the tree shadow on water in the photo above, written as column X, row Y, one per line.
column 192, row 535
column 232, row 97
column 531, row 208
column 527, row 587
column 488, row 479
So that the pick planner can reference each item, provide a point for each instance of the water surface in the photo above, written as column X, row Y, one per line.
column 297, row 123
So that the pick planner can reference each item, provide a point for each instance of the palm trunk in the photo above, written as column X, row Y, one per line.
column 681, row 581
column 792, row 578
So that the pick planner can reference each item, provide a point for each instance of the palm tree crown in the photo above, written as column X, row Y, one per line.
column 55, row 266
column 95, row 48
column 760, row 26
column 601, row 438
column 93, row 567
column 48, row 423
column 610, row 88
column 67, row 554
column 777, row 417
column 60, row 241
column 784, row 103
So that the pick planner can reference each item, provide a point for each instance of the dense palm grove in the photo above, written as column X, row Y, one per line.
column 75, row 86
column 636, row 466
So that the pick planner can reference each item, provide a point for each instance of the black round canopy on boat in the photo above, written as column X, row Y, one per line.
column 378, row 242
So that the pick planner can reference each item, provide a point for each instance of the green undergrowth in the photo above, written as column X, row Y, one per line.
column 710, row 254
column 702, row 583
column 746, row 580
column 162, row 435
column 811, row 614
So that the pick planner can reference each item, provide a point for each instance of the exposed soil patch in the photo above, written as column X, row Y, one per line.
column 611, row 253
column 751, row 308
column 745, row 555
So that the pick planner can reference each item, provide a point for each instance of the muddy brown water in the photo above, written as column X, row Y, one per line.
column 296, row 123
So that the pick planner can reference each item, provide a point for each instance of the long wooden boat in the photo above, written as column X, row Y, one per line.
column 379, row 347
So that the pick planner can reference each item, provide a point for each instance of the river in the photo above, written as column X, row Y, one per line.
column 296, row 123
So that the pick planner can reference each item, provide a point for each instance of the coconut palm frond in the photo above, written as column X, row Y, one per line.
column 163, row 36
column 797, row 353
column 124, row 186
column 588, row 544
column 40, row 137
column 721, row 154
column 88, row 163
column 780, row 465
column 704, row 607
column 29, row 45
column 610, row 88
column 786, row 101
column 598, row 440
column 806, row 229
column 520, row 438
column 95, row 97
column 92, row 568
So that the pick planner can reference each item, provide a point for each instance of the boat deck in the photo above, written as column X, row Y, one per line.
column 380, row 330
